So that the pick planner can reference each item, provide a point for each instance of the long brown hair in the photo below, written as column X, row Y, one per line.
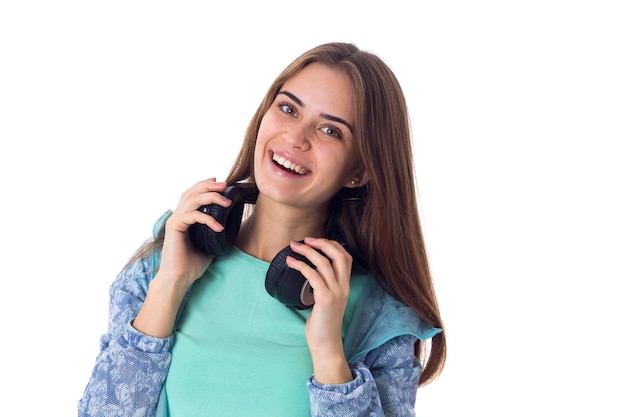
column 379, row 221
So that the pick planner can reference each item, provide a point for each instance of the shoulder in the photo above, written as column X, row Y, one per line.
column 379, row 318
column 134, row 279
column 137, row 274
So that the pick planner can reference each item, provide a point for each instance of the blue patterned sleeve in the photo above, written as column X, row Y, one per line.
column 131, row 367
column 385, row 384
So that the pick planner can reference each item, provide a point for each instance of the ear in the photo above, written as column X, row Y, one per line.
column 359, row 179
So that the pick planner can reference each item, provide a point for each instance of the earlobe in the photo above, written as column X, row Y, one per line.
column 359, row 180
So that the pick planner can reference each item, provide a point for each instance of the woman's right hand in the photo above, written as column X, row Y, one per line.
column 181, row 263
column 180, row 260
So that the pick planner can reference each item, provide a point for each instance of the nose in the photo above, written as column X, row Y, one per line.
column 297, row 137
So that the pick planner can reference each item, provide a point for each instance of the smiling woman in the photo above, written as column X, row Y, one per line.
column 307, row 127
column 193, row 332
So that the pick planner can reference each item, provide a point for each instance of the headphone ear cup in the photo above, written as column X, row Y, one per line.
column 214, row 243
column 288, row 285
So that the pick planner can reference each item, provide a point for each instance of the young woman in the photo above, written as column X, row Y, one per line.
column 327, row 173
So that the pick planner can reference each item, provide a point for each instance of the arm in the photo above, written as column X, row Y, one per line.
column 383, row 381
column 135, row 354
column 131, row 367
column 385, row 384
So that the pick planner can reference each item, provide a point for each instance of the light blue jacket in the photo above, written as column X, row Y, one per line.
column 131, row 367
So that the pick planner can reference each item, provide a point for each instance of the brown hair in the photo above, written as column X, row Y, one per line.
column 379, row 221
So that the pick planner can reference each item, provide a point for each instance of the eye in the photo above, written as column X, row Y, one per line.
column 331, row 131
column 287, row 108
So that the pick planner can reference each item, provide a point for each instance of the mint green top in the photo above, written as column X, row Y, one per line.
column 130, row 371
column 234, row 338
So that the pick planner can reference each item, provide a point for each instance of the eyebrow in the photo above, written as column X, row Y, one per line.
column 323, row 115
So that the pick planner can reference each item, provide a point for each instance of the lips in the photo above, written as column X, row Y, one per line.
column 288, row 165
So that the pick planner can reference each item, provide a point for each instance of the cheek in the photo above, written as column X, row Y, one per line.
column 258, row 152
column 261, row 137
column 341, row 169
column 268, row 124
column 345, row 160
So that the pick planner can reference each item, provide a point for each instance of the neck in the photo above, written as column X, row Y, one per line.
column 271, row 227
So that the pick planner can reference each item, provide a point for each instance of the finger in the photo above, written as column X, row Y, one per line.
column 323, row 268
column 340, row 259
column 206, row 199
column 204, row 186
column 331, row 248
column 181, row 221
column 203, row 193
column 207, row 185
column 318, row 259
column 315, row 280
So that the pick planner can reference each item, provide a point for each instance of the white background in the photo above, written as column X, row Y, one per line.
column 110, row 110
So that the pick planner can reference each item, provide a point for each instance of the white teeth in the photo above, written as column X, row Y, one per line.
column 288, row 164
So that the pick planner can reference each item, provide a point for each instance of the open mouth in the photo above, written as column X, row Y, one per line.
column 287, row 165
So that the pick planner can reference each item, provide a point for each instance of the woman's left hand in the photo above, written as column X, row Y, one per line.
column 330, row 281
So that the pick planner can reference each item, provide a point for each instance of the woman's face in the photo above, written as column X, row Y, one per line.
column 305, row 150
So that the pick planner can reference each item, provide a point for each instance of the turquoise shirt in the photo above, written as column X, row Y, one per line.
column 233, row 337
column 130, row 371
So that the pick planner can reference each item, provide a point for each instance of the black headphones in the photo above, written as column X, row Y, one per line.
column 287, row 285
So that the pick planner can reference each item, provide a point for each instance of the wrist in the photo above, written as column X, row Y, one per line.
column 158, row 313
column 331, row 369
column 168, row 288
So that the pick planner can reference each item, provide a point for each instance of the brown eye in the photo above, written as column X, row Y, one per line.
column 331, row 131
column 287, row 108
